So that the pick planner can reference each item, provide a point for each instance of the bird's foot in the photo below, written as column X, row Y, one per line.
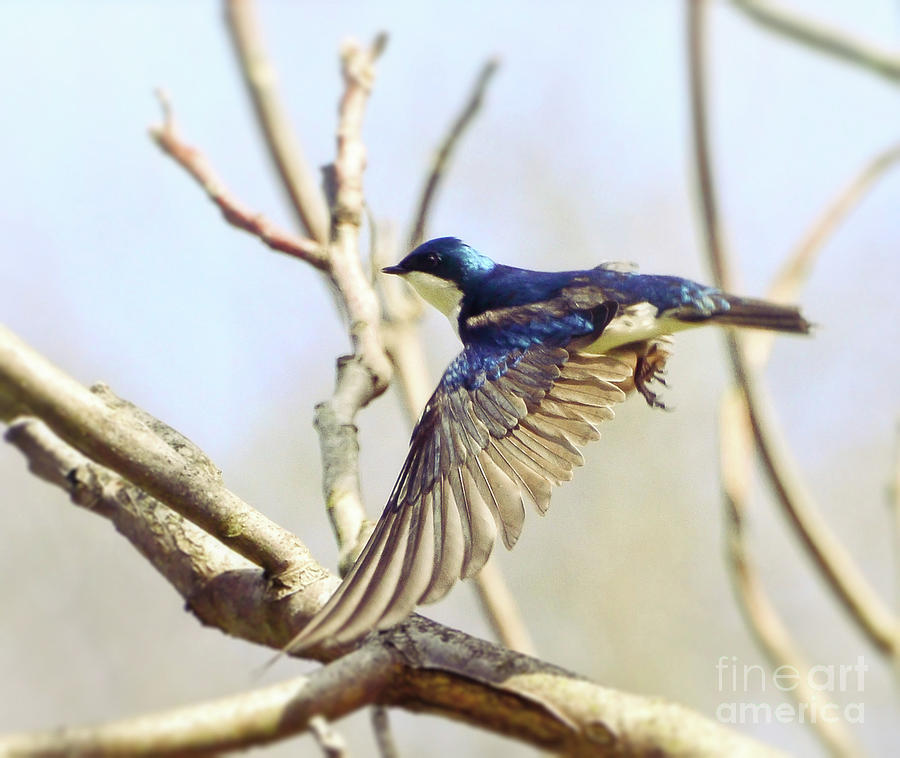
column 651, row 367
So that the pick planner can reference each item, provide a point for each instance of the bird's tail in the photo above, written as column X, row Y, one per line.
column 760, row 314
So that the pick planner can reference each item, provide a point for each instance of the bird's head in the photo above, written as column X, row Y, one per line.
column 441, row 271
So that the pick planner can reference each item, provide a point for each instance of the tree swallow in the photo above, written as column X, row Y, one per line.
column 545, row 358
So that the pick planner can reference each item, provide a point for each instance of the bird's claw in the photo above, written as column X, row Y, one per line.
column 651, row 367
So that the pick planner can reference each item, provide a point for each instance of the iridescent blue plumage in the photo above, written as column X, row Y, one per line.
column 546, row 356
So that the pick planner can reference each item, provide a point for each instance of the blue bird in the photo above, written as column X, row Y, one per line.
column 545, row 358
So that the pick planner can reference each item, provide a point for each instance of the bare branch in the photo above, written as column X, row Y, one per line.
column 431, row 669
column 822, row 37
column 798, row 265
column 222, row 588
column 30, row 384
column 864, row 604
column 366, row 374
column 358, row 68
column 237, row 214
column 445, row 151
column 181, row 551
column 239, row 721
column 331, row 742
column 298, row 180
column 334, row 421
column 384, row 738
column 894, row 501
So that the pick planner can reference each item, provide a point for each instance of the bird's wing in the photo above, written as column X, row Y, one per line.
column 501, row 428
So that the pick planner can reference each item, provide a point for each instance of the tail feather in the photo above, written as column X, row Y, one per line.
column 751, row 313
column 762, row 314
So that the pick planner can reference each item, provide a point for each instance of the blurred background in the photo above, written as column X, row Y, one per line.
column 116, row 266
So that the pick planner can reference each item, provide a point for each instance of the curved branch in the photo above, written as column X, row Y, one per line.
column 822, row 37
column 240, row 721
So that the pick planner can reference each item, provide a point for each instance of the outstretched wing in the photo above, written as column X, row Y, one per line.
column 501, row 428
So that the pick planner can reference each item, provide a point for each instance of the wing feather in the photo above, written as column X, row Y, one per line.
column 449, row 558
column 499, row 430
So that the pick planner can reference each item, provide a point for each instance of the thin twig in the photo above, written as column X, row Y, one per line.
column 297, row 179
column 786, row 285
column 800, row 261
column 445, row 151
column 822, row 37
column 864, row 604
column 706, row 194
column 894, row 503
column 501, row 609
column 235, row 212
column 384, row 738
column 330, row 740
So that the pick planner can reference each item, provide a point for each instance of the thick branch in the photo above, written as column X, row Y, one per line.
column 240, row 721
column 426, row 668
column 114, row 437
column 181, row 551
column 259, row 75
column 822, row 37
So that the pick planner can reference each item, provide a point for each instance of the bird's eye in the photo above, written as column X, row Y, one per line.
column 432, row 260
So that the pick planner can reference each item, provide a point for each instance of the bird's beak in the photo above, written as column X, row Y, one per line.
column 393, row 270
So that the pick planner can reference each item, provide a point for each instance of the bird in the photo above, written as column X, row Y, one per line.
column 546, row 356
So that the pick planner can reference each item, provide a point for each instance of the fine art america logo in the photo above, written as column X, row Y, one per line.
column 738, row 681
